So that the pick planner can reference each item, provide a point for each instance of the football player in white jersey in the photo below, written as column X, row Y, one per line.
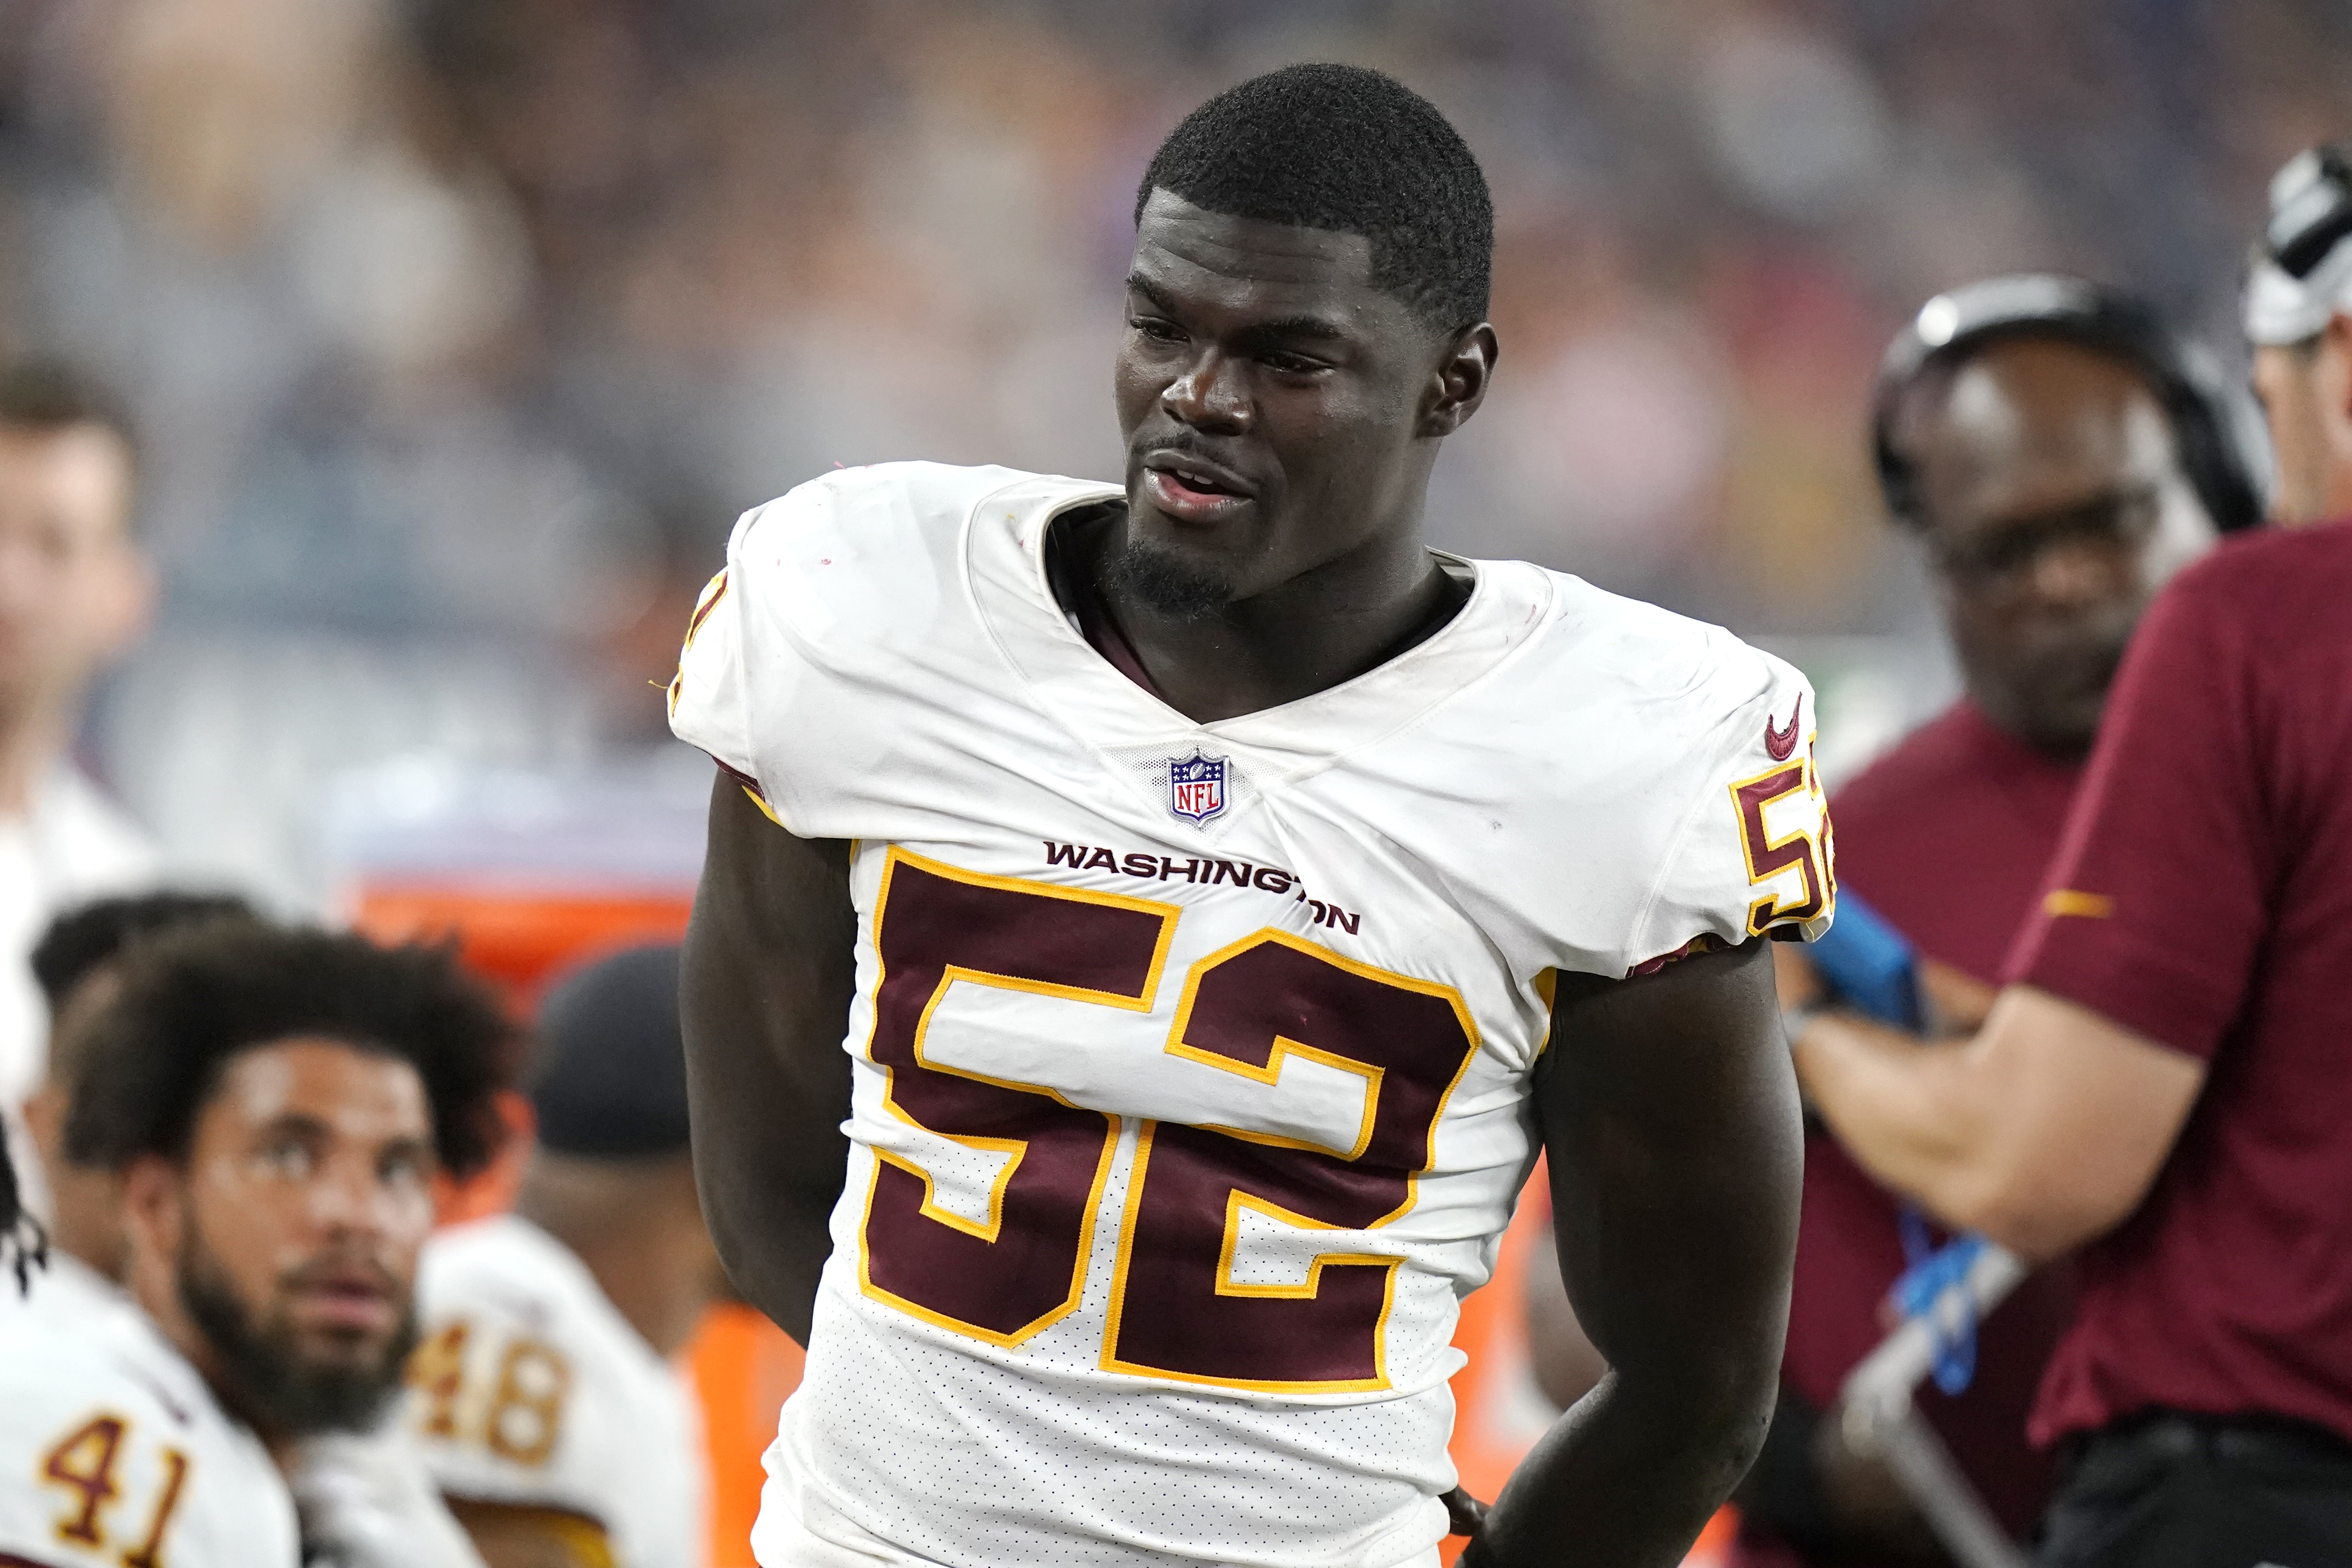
column 273, row 1103
column 542, row 1392
column 1150, row 931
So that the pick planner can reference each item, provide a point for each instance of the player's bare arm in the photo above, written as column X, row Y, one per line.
column 768, row 973
column 1670, row 1118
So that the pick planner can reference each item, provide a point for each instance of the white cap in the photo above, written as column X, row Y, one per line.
column 2282, row 308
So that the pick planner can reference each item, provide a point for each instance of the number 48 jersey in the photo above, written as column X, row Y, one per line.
column 1192, row 1061
column 531, row 1390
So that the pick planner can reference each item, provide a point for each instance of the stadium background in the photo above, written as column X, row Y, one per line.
column 458, row 330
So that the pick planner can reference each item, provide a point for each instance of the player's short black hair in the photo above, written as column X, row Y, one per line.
column 40, row 393
column 89, row 936
column 193, row 1000
column 1342, row 148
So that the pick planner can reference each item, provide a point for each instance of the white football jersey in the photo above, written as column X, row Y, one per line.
column 366, row 1500
column 113, row 1449
column 529, row 1388
column 1192, row 1060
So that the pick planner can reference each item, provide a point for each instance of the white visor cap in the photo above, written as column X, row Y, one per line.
column 2282, row 309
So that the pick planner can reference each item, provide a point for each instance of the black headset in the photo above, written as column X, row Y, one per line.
column 2217, row 442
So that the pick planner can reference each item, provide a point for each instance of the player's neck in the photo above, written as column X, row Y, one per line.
column 31, row 741
column 1318, row 631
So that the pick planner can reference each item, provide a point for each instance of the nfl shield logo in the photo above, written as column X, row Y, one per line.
column 1196, row 786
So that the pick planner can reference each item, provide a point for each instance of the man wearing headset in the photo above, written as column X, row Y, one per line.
column 2161, row 1083
column 2059, row 453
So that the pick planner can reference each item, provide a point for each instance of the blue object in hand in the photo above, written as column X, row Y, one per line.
column 1873, row 968
column 1870, row 965
column 1933, row 1272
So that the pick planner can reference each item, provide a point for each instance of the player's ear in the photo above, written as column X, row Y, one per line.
column 45, row 1119
column 1459, row 383
column 153, row 1196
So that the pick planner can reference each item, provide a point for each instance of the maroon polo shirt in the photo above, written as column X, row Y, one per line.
column 1949, row 836
column 2202, row 897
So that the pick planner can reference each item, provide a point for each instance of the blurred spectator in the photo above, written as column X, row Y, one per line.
column 2161, row 1081
column 2037, row 436
column 75, row 591
column 542, row 1394
column 77, row 963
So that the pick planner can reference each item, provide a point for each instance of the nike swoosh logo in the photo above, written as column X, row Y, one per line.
column 1782, row 743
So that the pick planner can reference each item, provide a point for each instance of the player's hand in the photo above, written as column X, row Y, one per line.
column 1465, row 1513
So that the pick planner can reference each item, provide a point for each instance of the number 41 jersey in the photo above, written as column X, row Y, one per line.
column 1192, row 1061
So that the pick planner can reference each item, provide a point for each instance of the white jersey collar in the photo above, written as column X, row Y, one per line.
column 1004, row 565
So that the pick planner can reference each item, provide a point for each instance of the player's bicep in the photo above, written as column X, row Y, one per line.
column 1669, row 1113
column 769, row 956
column 767, row 977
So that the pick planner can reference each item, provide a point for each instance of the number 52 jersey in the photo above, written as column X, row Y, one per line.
column 1192, row 1061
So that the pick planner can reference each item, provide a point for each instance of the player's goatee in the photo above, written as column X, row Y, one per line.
column 1164, row 581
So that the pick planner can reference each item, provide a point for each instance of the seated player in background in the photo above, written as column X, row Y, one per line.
column 273, row 1104
column 2161, row 1083
column 76, row 963
column 362, row 1498
column 2059, row 453
column 1197, row 897
column 543, row 1393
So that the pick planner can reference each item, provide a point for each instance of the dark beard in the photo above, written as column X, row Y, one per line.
column 1162, row 581
column 271, row 1379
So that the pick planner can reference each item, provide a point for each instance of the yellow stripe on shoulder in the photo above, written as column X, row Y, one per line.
column 2067, row 902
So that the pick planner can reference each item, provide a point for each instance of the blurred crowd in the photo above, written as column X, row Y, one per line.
column 457, row 331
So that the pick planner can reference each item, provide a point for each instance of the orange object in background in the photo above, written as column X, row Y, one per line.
column 520, row 939
column 743, row 1367
column 1497, row 1411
